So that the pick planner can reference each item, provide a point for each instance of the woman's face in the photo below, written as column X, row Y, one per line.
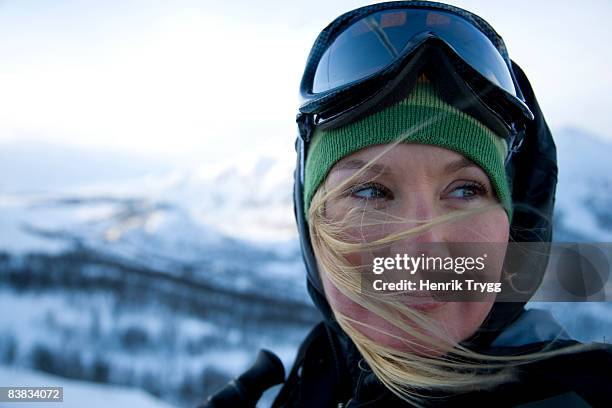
column 416, row 183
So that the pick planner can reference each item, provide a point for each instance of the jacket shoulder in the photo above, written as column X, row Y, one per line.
column 315, row 376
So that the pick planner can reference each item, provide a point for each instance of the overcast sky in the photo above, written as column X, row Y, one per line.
column 202, row 79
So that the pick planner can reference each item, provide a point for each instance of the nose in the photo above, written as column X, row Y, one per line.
column 418, row 209
column 429, row 241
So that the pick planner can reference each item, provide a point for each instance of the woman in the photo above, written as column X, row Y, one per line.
column 418, row 132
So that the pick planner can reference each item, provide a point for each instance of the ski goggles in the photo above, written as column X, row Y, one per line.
column 362, row 58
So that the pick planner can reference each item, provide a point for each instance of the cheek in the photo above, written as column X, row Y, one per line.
column 462, row 319
column 491, row 226
column 341, row 303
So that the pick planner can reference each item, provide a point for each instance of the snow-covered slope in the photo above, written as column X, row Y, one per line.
column 168, row 282
column 78, row 394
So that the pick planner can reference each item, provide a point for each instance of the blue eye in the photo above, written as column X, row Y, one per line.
column 370, row 192
column 468, row 191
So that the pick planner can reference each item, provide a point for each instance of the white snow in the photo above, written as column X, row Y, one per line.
column 78, row 394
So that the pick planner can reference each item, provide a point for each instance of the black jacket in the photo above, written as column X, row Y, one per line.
column 329, row 371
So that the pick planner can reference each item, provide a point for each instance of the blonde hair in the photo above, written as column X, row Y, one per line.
column 444, row 365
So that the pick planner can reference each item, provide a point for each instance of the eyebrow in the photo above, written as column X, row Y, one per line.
column 356, row 164
column 459, row 164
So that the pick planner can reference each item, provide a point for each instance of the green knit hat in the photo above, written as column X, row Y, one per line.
column 423, row 117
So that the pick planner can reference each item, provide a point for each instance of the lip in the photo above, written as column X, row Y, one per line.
column 422, row 303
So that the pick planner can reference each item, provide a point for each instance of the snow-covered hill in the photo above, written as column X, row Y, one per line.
column 169, row 282
column 78, row 394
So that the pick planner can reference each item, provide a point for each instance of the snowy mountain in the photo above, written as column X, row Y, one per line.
column 170, row 283
column 171, row 279
column 584, row 193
